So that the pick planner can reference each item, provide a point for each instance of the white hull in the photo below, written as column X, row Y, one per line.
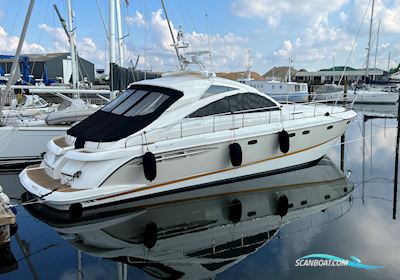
column 19, row 145
column 361, row 97
column 189, row 178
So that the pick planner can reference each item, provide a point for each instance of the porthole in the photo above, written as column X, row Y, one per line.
column 252, row 142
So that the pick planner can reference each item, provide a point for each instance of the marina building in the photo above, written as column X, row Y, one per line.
column 57, row 65
column 351, row 75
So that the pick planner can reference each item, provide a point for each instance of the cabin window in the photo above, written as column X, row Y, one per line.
column 136, row 103
column 297, row 87
column 132, row 100
column 147, row 105
column 218, row 107
column 214, row 89
column 236, row 103
column 114, row 103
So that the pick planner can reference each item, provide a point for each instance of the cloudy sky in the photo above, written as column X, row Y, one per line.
column 310, row 32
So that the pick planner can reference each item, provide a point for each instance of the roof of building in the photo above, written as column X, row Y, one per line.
column 41, row 57
column 340, row 71
column 340, row 68
column 279, row 72
column 239, row 75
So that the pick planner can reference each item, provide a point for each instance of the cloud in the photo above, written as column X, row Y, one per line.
column 60, row 39
column 86, row 47
column 317, row 42
column 388, row 11
column 286, row 49
column 343, row 16
column 300, row 12
column 8, row 44
column 137, row 20
column 228, row 50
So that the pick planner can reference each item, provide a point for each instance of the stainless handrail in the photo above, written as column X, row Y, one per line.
column 280, row 117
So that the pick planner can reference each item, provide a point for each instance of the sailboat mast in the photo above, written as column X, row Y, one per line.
column 71, row 34
column 377, row 42
column 15, row 63
column 112, row 45
column 369, row 42
column 119, row 30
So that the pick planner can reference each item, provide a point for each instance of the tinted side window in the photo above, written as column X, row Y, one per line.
column 217, row 107
column 234, row 103
column 255, row 101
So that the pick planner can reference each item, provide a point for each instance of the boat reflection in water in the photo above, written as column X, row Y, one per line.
column 201, row 233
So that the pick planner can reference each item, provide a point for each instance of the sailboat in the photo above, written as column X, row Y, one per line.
column 364, row 92
column 26, row 131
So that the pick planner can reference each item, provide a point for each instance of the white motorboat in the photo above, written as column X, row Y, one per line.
column 199, row 234
column 360, row 95
column 281, row 91
column 183, row 131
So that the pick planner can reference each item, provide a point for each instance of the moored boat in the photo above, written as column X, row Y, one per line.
column 183, row 131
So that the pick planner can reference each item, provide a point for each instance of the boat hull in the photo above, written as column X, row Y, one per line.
column 22, row 145
column 113, row 195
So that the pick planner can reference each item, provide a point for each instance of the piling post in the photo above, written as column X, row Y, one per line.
column 396, row 164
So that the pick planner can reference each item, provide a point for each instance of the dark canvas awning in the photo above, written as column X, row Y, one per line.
column 138, row 111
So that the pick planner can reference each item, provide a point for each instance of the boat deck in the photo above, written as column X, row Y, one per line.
column 39, row 176
column 60, row 142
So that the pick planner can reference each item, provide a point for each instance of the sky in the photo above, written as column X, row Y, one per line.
column 314, row 34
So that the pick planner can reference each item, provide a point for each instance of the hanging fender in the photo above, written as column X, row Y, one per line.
column 282, row 206
column 235, row 152
column 150, row 235
column 284, row 142
column 235, row 211
column 149, row 166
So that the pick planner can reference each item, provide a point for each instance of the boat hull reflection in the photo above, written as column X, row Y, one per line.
column 201, row 233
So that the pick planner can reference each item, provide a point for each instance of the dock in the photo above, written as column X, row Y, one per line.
column 7, row 219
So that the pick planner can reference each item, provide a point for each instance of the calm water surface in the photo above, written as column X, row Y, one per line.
column 196, row 240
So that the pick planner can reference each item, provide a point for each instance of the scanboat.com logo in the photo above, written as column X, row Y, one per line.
column 319, row 260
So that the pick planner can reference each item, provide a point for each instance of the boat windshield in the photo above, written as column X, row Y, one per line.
column 136, row 103
column 130, row 112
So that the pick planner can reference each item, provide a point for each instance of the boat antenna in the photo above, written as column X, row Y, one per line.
column 172, row 36
column 15, row 63
column 369, row 42
column 249, row 64
column 208, row 39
